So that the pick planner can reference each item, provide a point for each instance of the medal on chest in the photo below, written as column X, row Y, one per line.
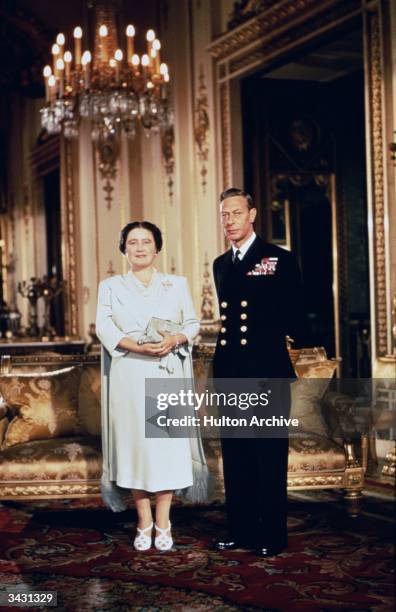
column 266, row 267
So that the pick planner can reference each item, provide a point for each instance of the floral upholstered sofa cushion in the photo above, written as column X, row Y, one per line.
column 41, row 405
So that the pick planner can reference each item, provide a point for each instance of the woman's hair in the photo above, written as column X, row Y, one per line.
column 156, row 232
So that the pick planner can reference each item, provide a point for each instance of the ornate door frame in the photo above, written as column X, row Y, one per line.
column 69, row 229
column 380, row 176
column 270, row 35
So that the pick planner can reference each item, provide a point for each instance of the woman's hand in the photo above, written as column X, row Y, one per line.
column 166, row 345
column 153, row 349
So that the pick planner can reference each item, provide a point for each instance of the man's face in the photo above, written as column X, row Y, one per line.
column 237, row 219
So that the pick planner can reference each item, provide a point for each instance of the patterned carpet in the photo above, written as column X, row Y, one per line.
column 85, row 553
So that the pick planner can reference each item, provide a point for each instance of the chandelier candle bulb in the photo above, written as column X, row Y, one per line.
column 55, row 54
column 145, row 63
column 135, row 64
column 165, row 73
column 77, row 33
column 67, row 58
column 150, row 37
column 60, row 41
column 153, row 59
column 52, row 87
column 164, row 90
column 157, row 60
column 60, row 66
column 85, row 60
column 118, row 55
column 46, row 74
column 103, row 32
column 130, row 32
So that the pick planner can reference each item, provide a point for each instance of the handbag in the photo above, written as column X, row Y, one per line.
column 156, row 325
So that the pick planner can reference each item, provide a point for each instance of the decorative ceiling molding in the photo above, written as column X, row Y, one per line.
column 246, row 9
column 278, row 20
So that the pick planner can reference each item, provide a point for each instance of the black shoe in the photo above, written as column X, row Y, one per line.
column 226, row 545
column 268, row 551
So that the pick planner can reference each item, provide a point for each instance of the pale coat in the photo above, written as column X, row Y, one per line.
column 130, row 460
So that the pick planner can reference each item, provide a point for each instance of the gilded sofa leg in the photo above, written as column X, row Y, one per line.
column 354, row 477
column 353, row 499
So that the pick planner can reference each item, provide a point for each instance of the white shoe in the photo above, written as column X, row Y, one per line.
column 143, row 541
column 163, row 541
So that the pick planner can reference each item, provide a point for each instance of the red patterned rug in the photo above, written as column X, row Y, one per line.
column 85, row 553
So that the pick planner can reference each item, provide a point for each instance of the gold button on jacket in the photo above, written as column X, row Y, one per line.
column 243, row 341
column 244, row 303
column 223, row 342
column 224, row 304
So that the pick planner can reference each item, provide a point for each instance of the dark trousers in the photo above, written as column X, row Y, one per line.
column 255, row 478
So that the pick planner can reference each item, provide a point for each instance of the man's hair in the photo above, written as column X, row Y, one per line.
column 234, row 191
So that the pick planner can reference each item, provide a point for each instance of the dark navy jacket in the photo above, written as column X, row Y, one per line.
column 260, row 304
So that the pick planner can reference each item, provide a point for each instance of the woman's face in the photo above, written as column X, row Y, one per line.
column 140, row 248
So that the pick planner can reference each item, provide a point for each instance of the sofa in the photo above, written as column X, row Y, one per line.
column 50, row 444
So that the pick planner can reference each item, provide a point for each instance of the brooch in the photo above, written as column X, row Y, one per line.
column 267, row 267
column 167, row 284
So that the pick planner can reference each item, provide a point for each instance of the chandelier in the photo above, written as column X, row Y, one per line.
column 114, row 87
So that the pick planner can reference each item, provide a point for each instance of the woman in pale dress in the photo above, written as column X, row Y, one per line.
column 126, row 303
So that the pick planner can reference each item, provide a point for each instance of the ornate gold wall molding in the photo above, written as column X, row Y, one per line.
column 108, row 153
column 209, row 324
column 110, row 268
column 69, row 205
column 375, row 105
column 86, row 295
column 225, row 118
column 201, row 127
column 168, row 156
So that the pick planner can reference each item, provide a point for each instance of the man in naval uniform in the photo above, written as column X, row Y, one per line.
column 260, row 296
